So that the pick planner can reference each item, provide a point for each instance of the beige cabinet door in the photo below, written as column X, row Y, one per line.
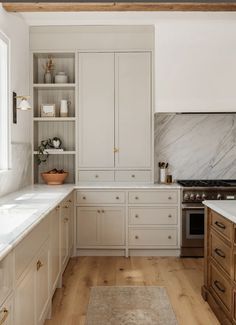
column 25, row 300
column 96, row 110
column 6, row 312
column 42, row 283
column 133, row 110
column 54, row 248
column 112, row 226
column 87, row 226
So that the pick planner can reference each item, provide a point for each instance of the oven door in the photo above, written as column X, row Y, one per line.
column 192, row 225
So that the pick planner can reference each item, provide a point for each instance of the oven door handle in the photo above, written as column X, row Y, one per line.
column 192, row 208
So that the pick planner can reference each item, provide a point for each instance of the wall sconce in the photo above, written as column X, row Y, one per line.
column 23, row 105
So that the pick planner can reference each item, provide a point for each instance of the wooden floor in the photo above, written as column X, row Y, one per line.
column 182, row 278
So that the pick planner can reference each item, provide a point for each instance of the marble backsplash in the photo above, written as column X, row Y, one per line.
column 197, row 146
column 20, row 173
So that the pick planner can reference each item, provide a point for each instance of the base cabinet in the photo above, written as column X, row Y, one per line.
column 100, row 226
column 54, row 248
column 6, row 312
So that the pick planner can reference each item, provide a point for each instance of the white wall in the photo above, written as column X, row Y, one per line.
column 195, row 54
column 17, row 31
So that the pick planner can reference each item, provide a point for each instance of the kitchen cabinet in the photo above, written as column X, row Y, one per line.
column 6, row 312
column 32, row 291
column 66, row 230
column 100, row 226
column 133, row 110
column 115, row 124
column 219, row 266
column 96, row 110
column 54, row 248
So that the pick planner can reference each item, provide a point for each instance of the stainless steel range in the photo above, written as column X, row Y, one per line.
column 194, row 193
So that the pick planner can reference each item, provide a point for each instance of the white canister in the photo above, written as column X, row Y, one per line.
column 61, row 78
column 162, row 175
column 64, row 108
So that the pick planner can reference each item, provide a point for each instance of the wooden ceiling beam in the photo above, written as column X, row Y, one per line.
column 116, row 6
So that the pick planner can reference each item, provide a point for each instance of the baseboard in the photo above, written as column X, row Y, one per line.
column 132, row 252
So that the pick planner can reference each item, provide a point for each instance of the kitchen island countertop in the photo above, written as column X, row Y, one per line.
column 227, row 208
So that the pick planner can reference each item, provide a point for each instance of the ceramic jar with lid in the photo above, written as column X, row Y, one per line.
column 61, row 78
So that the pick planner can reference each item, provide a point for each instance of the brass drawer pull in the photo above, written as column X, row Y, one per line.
column 69, row 201
column 136, row 237
column 220, row 225
column 103, row 211
column 39, row 265
column 66, row 206
column 219, row 252
column 219, row 286
column 98, row 211
column 169, row 197
column 66, row 220
column 5, row 315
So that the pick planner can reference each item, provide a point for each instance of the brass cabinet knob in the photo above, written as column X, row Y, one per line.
column 115, row 150
column 66, row 219
column 98, row 211
column 96, row 176
column 136, row 237
column 58, row 207
column 84, row 197
column 169, row 216
column 169, row 197
column 117, row 198
column 66, row 206
column 133, row 176
column 169, row 237
column 5, row 313
column 103, row 211
column 39, row 265
column 69, row 201
column 136, row 216
column 136, row 198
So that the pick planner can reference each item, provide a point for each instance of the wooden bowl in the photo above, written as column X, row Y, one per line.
column 54, row 179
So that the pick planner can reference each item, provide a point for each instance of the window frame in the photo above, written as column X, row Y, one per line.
column 5, row 162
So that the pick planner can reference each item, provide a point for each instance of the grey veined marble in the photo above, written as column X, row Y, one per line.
column 19, row 175
column 196, row 146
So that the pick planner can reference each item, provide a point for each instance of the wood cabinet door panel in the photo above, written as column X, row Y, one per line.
column 96, row 110
column 133, row 110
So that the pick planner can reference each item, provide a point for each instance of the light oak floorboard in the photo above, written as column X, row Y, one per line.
column 182, row 278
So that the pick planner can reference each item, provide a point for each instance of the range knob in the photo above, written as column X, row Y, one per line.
column 198, row 196
column 186, row 197
column 192, row 196
column 204, row 196
column 219, row 196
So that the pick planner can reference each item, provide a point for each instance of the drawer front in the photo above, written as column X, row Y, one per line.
column 6, row 277
column 100, row 197
column 133, row 176
column 96, row 176
column 153, row 237
column 153, row 216
column 28, row 247
column 220, row 252
column 222, row 225
column 220, row 286
column 155, row 197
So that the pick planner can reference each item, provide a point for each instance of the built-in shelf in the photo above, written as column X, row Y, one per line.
column 49, row 86
column 54, row 119
column 65, row 152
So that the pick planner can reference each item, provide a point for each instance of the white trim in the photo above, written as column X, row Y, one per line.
column 5, row 155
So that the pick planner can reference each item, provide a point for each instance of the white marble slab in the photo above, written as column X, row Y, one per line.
column 21, row 211
column 226, row 208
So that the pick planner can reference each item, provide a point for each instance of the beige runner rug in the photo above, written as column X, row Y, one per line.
column 130, row 306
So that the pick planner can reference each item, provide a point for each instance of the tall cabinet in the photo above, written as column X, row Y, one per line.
column 115, row 116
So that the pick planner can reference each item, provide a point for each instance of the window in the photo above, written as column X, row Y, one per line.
column 4, row 102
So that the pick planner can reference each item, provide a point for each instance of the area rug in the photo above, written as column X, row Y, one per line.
column 130, row 306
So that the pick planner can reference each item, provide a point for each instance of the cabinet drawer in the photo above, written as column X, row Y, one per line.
column 6, row 277
column 133, row 176
column 96, row 176
column 220, row 286
column 222, row 225
column 149, row 197
column 28, row 247
column 220, row 252
column 152, row 237
column 153, row 216
column 100, row 197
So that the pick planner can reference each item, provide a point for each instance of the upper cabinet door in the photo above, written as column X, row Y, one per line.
column 96, row 110
column 133, row 110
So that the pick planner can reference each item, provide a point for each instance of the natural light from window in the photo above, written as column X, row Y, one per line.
column 4, row 102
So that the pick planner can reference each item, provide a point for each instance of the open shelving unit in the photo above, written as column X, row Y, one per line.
column 50, row 127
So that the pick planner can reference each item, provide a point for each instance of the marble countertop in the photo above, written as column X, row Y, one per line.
column 124, row 185
column 21, row 211
column 226, row 208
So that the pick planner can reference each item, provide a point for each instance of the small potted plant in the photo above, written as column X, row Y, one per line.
column 48, row 69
